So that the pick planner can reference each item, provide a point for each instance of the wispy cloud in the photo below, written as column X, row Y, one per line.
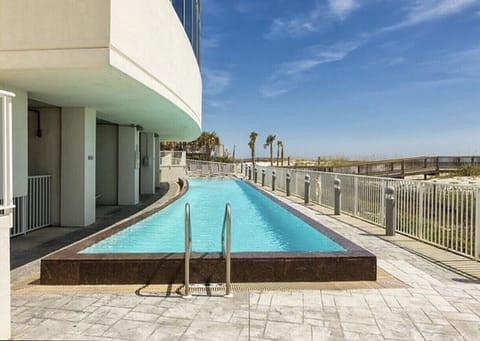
column 317, row 18
column 464, row 63
column 215, row 81
column 217, row 104
column 421, row 11
column 211, row 40
column 286, row 76
column 212, row 8
column 384, row 62
column 245, row 6
column 342, row 8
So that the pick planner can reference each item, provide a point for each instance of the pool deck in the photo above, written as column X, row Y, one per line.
column 435, row 296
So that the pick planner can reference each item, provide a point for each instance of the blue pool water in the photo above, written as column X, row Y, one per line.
column 258, row 224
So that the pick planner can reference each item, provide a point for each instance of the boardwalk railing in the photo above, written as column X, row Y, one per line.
column 444, row 215
column 399, row 168
column 34, row 210
column 206, row 168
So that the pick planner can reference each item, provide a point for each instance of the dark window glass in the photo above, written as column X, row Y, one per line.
column 178, row 5
column 188, row 18
column 199, row 31
column 195, row 27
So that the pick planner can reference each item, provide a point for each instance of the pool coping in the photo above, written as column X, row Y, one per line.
column 68, row 267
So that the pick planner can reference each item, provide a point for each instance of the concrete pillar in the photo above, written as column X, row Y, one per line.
column 78, row 167
column 4, row 278
column 147, row 167
column 128, row 165
column 19, row 141
column 157, row 161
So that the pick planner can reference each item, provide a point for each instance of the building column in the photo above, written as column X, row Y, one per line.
column 5, row 277
column 128, row 165
column 148, row 159
column 78, row 167
column 157, row 161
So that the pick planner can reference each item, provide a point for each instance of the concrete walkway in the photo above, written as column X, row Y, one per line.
column 434, row 303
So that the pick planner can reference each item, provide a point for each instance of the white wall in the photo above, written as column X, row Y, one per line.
column 106, row 164
column 20, row 144
column 78, row 167
column 19, row 141
column 172, row 173
column 83, row 24
column 44, row 152
column 157, row 162
column 143, row 34
column 128, row 166
column 147, row 163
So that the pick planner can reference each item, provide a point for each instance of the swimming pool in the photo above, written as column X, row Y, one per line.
column 258, row 224
column 293, row 248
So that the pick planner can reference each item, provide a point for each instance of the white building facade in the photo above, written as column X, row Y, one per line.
column 98, row 84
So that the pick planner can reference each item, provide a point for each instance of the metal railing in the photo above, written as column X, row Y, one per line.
column 20, row 216
column 33, row 211
column 207, row 168
column 188, row 249
column 444, row 215
column 426, row 165
column 39, row 201
column 226, row 247
column 173, row 158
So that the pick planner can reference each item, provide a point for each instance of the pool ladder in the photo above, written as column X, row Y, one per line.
column 226, row 248
column 188, row 249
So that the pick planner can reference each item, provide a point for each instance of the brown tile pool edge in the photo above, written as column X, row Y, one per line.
column 68, row 267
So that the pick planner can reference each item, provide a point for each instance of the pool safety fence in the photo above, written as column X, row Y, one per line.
column 33, row 211
column 207, row 168
column 173, row 158
column 441, row 214
column 444, row 215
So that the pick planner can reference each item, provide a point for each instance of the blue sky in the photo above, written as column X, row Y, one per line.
column 355, row 78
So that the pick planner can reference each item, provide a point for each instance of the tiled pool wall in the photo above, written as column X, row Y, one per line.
column 68, row 267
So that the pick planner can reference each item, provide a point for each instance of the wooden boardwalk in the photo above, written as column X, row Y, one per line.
column 401, row 168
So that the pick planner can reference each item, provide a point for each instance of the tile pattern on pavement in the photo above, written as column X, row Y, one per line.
column 435, row 304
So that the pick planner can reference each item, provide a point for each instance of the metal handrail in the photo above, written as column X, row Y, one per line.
column 226, row 246
column 188, row 249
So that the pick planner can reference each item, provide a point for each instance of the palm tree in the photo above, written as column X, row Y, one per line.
column 279, row 145
column 281, row 153
column 209, row 141
column 269, row 143
column 251, row 145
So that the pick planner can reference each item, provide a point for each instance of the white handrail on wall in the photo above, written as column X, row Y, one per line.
column 7, row 183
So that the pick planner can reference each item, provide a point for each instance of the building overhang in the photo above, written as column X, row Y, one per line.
column 115, row 64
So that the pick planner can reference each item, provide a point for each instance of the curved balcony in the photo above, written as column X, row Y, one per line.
column 129, row 60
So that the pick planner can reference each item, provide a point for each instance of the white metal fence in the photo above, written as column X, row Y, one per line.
column 206, row 168
column 173, row 158
column 34, row 210
column 444, row 215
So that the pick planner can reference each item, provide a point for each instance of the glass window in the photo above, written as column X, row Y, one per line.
column 188, row 18
column 195, row 27
column 178, row 5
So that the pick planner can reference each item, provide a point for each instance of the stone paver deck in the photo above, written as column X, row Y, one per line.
column 434, row 303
